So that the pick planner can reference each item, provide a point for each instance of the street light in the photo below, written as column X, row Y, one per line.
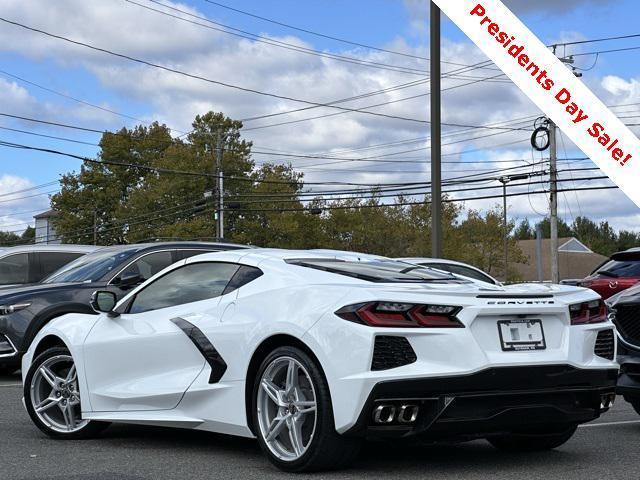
column 504, row 180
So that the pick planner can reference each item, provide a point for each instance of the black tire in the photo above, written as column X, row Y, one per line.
column 328, row 450
column 91, row 429
column 635, row 403
column 534, row 441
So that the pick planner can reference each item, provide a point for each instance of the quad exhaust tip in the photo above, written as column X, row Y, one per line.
column 387, row 414
column 607, row 400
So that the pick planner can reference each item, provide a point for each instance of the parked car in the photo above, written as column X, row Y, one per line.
column 31, row 263
column 625, row 313
column 620, row 272
column 452, row 266
column 25, row 310
column 312, row 353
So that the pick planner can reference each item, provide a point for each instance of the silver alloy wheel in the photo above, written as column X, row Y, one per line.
column 55, row 396
column 287, row 410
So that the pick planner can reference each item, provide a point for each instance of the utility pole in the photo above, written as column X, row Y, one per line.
column 219, row 188
column 539, row 269
column 504, row 180
column 553, row 201
column 436, row 147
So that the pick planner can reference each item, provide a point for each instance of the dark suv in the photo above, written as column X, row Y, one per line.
column 24, row 310
column 620, row 272
column 625, row 313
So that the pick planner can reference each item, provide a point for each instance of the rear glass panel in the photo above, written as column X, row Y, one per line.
column 621, row 268
column 383, row 271
column 460, row 270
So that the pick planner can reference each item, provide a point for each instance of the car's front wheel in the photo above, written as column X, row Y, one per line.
column 52, row 396
column 532, row 441
column 293, row 415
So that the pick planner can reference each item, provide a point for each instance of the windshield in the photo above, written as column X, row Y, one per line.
column 620, row 268
column 92, row 267
column 384, row 271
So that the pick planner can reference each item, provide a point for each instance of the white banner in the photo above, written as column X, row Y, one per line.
column 552, row 87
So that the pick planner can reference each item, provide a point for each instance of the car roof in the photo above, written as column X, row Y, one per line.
column 256, row 255
column 34, row 248
column 176, row 244
column 630, row 254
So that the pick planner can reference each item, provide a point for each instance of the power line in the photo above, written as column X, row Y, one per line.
column 317, row 34
column 273, row 42
column 600, row 52
column 604, row 39
column 104, row 162
column 55, row 124
column 180, row 209
column 166, row 170
column 53, row 137
column 75, row 99
column 200, row 77
column 399, row 204
column 366, row 108
column 375, row 195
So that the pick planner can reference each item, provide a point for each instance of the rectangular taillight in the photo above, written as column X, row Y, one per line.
column 594, row 311
column 401, row 314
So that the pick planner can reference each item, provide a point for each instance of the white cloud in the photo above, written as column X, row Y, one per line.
column 16, row 208
column 176, row 100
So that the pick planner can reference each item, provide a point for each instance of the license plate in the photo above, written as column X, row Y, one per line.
column 517, row 335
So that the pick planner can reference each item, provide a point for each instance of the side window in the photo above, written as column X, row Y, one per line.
column 52, row 261
column 190, row 283
column 244, row 275
column 14, row 269
column 182, row 254
column 148, row 265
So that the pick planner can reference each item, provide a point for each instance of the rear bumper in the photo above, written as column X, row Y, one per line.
column 495, row 400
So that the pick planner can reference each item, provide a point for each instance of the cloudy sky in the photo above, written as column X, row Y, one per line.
column 48, row 79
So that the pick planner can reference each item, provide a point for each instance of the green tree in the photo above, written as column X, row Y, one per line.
column 564, row 230
column 28, row 236
column 484, row 235
column 99, row 194
column 524, row 231
column 9, row 239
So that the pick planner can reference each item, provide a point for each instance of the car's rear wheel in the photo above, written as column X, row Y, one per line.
column 532, row 441
column 52, row 396
column 293, row 415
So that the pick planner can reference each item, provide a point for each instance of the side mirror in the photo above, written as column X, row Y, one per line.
column 128, row 279
column 104, row 302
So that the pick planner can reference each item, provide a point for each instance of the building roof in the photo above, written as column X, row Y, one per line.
column 575, row 259
column 47, row 214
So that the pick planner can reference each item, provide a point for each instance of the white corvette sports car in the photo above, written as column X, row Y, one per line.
column 311, row 353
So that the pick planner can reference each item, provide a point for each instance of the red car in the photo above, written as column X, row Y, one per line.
column 620, row 272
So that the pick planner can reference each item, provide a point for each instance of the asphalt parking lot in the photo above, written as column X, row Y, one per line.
column 607, row 448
